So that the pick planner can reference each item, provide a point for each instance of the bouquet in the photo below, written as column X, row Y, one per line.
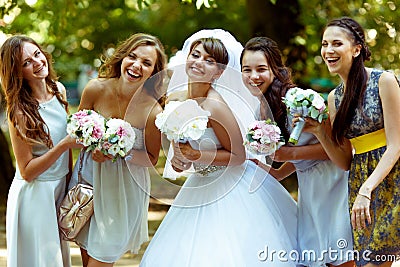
column 118, row 138
column 263, row 137
column 304, row 103
column 87, row 126
column 182, row 121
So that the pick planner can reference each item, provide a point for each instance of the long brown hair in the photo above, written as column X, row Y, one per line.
column 282, row 81
column 18, row 94
column 112, row 65
column 356, row 81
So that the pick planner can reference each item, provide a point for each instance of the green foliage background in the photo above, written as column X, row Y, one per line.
column 81, row 31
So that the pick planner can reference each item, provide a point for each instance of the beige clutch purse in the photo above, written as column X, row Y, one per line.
column 76, row 208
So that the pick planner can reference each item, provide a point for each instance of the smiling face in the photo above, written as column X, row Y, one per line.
column 34, row 63
column 256, row 73
column 139, row 65
column 338, row 50
column 201, row 66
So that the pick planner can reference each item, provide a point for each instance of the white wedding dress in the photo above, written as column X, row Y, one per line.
column 216, row 221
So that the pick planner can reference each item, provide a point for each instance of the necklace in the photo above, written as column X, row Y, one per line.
column 118, row 102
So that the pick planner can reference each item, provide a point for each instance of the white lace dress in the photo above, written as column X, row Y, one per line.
column 216, row 221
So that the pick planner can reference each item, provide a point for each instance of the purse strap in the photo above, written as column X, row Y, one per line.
column 80, row 166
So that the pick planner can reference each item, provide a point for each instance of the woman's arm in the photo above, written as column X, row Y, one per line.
column 31, row 167
column 342, row 154
column 306, row 152
column 284, row 170
column 228, row 133
column 149, row 156
column 389, row 92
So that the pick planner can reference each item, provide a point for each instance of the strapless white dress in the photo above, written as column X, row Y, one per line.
column 216, row 221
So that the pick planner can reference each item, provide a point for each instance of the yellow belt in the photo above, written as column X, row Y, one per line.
column 369, row 141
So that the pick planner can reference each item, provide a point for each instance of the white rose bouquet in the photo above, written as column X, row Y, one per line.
column 118, row 138
column 87, row 126
column 304, row 103
column 182, row 121
column 263, row 137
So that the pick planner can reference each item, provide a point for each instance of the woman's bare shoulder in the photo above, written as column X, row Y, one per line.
column 177, row 96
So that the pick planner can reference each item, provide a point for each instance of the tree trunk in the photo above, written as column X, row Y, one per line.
column 276, row 21
column 7, row 168
column 279, row 22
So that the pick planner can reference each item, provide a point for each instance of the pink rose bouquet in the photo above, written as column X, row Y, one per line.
column 263, row 137
column 87, row 126
column 118, row 138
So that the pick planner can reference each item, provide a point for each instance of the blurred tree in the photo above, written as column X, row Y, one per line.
column 7, row 167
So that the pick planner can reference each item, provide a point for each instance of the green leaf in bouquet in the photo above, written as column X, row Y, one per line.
column 299, row 97
column 113, row 138
column 305, row 103
column 314, row 113
column 249, row 137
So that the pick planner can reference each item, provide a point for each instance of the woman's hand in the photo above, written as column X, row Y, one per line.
column 180, row 160
column 71, row 142
column 179, row 165
column 313, row 126
column 360, row 212
column 284, row 153
column 185, row 152
column 98, row 156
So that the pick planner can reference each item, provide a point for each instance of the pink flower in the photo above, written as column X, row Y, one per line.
column 263, row 137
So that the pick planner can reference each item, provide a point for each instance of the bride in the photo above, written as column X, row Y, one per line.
column 215, row 220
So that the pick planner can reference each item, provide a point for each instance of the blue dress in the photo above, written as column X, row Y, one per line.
column 382, row 236
column 215, row 220
column 33, row 239
column 323, row 219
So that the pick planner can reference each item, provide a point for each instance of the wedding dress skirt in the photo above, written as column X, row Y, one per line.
column 216, row 221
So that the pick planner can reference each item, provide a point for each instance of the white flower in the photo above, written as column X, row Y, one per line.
column 87, row 127
column 118, row 139
column 182, row 120
column 304, row 103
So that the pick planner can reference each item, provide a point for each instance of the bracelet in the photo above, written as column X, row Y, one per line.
column 367, row 197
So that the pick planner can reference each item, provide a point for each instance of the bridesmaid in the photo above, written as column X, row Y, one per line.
column 121, row 189
column 364, row 110
column 37, row 119
column 323, row 222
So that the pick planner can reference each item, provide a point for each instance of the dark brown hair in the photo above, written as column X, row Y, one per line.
column 356, row 80
column 215, row 48
column 282, row 81
column 18, row 94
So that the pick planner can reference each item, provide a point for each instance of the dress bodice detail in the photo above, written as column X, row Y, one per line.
column 369, row 117
column 206, row 142
column 54, row 115
column 139, row 140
